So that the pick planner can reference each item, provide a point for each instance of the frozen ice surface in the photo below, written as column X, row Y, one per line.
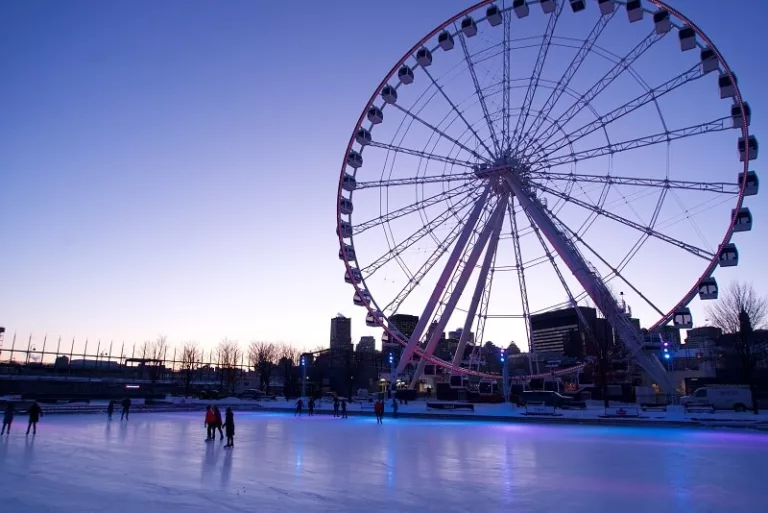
column 157, row 463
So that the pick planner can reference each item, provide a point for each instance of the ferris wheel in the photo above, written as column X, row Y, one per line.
column 528, row 156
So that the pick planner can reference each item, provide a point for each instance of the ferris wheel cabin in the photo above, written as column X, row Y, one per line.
column 634, row 10
column 751, row 145
column 743, row 220
column 353, row 275
column 445, row 40
column 708, row 289
column 578, row 5
column 345, row 206
column 348, row 183
column 405, row 75
column 662, row 22
column 346, row 230
column 493, row 15
column 682, row 319
column 709, row 61
column 375, row 115
column 606, row 6
column 727, row 84
column 737, row 115
column 687, row 38
column 363, row 137
column 372, row 319
column 362, row 299
column 729, row 256
column 354, row 159
column 349, row 250
column 521, row 8
column 389, row 94
column 424, row 57
column 752, row 185
column 469, row 27
column 548, row 6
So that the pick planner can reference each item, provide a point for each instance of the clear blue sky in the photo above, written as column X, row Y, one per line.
column 171, row 167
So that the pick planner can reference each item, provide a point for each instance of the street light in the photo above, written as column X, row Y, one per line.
column 504, row 379
column 303, row 363
column 392, row 373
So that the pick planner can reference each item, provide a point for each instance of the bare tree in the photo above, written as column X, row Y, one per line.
column 190, row 361
column 726, row 311
column 154, row 350
column 288, row 357
column 263, row 356
column 228, row 356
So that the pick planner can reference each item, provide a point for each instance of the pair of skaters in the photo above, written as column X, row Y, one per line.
column 213, row 422
column 34, row 412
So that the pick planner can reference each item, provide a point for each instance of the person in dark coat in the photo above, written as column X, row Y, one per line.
column 394, row 408
column 229, row 426
column 110, row 409
column 126, row 408
column 311, row 406
column 343, row 409
column 335, row 406
column 299, row 407
column 35, row 412
column 217, row 413
column 10, row 411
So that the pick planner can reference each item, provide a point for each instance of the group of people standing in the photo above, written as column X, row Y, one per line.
column 34, row 412
column 340, row 408
column 213, row 422
column 124, row 414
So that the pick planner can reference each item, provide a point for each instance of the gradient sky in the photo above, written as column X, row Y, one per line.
column 171, row 167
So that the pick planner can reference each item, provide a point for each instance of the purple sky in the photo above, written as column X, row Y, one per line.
column 171, row 168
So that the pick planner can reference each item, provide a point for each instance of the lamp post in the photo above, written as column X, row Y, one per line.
column 504, row 377
column 303, row 375
column 392, row 372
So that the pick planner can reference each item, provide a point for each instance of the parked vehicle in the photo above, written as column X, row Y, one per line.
column 720, row 397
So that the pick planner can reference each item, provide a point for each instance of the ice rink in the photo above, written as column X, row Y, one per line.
column 160, row 463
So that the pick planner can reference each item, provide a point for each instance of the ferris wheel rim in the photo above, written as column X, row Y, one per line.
column 373, row 308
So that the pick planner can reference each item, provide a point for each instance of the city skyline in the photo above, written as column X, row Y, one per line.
column 156, row 202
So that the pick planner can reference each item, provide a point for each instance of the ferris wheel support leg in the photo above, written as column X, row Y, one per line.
column 591, row 282
column 479, row 288
column 453, row 259
column 493, row 223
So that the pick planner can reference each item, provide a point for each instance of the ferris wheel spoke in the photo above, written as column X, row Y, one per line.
column 450, row 266
column 415, row 237
column 439, row 132
column 422, row 154
column 718, row 125
column 565, row 80
column 479, row 91
column 596, row 89
column 461, row 282
column 417, row 180
column 644, row 99
column 427, row 266
column 696, row 251
column 506, row 66
column 717, row 187
column 533, row 84
column 613, row 269
column 521, row 280
column 408, row 209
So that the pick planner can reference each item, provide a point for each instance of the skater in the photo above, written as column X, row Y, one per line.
column 299, row 407
column 394, row 408
column 229, row 426
column 335, row 406
column 378, row 408
column 311, row 406
column 344, row 409
column 126, row 408
column 35, row 412
column 217, row 414
column 110, row 408
column 10, row 411
column 210, row 424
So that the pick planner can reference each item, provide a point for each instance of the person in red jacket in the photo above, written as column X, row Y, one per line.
column 210, row 423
